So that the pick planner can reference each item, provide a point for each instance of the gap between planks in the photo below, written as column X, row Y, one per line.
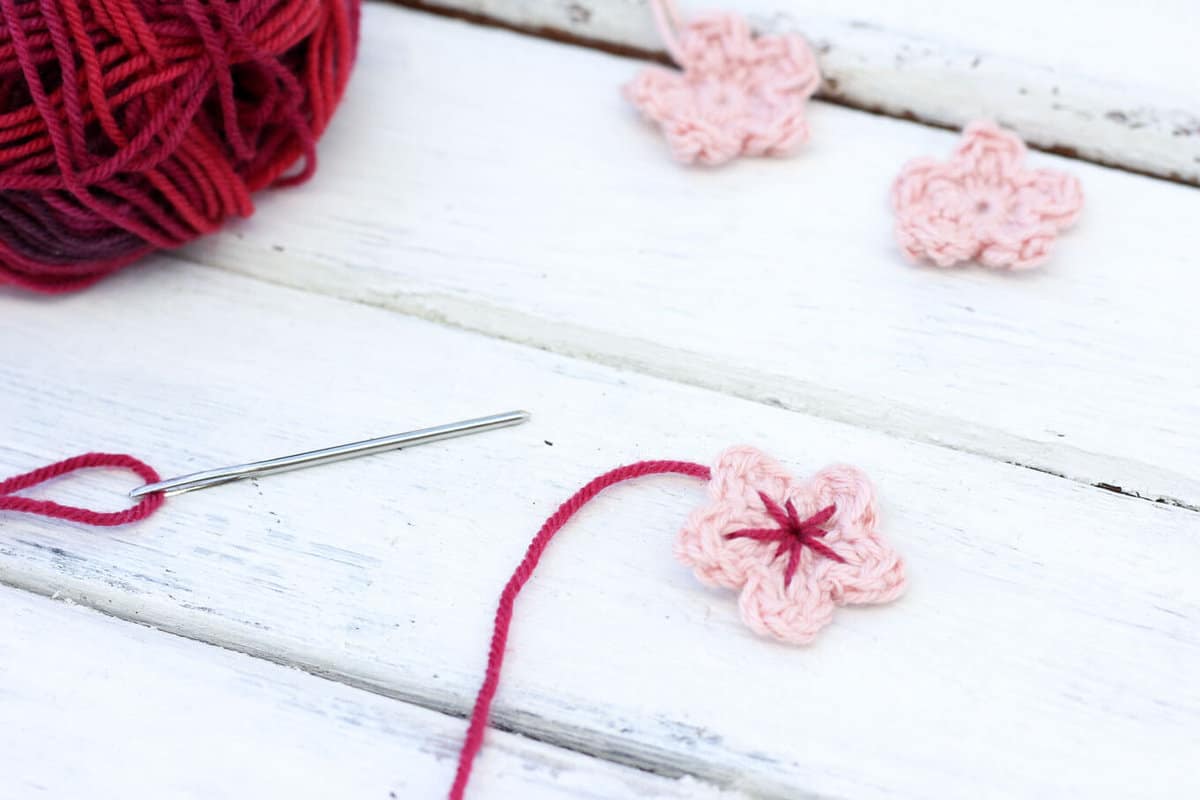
column 523, row 725
column 72, row 666
column 470, row 316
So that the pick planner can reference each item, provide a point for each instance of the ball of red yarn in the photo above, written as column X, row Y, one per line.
column 129, row 126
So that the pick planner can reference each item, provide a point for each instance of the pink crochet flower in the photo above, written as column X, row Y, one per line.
column 738, row 94
column 796, row 549
column 983, row 204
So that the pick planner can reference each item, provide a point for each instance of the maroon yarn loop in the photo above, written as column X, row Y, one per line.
column 129, row 126
column 9, row 501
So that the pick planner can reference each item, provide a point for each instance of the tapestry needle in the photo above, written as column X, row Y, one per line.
column 272, row 466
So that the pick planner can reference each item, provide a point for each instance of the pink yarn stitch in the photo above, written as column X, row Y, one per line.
column 738, row 94
column 790, row 609
column 983, row 204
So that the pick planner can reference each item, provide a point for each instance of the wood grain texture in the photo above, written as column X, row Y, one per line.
column 1048, row 645
column 94, row 707
column 529, row 203
column 1092, row 79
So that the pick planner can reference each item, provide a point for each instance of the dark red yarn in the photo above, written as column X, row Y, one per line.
column 128, row 126
column 9, row 501
column 491, row 680
column 792, row 535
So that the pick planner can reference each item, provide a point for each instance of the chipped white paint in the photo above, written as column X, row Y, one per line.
column 773, row 280
column 1114, row 86
column 94, row 707
column 1048, row 645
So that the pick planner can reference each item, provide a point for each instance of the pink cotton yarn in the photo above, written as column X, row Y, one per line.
column 738, row 94
column 983, row 204
column 792, row 611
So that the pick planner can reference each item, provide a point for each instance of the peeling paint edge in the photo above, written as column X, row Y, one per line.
column 830, row 92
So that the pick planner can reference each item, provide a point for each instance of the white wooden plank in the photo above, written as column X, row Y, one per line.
column 1094, row 78
column 1048, row 645
column 97, row 708
column 530, row 203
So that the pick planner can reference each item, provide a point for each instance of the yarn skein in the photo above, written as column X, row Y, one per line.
column 130, row 126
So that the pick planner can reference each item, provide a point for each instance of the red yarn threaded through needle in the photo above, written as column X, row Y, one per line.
column 491, row 680
column 9, row 501
column 129, row 126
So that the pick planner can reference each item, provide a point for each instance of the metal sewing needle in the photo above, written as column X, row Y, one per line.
column 272, row 466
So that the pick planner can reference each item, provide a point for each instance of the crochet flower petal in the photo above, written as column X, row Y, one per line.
column 775, row 134
column 1056, row 196
column 794, row 614
column 699, row 139
column 871, row 571
column 692, row 116
column 794, row 66
column 1039, row 205
column 1019, row 246
column 738, row 476
column 850, row 490
column 660, row 94
column 990, row 153
column 930, row 200
column 714, row 43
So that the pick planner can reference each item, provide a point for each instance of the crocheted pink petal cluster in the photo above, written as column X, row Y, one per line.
column 792, row 612
column 737, row 94
column 983, row 204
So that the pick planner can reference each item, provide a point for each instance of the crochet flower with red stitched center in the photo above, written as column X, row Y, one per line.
column 795, row 548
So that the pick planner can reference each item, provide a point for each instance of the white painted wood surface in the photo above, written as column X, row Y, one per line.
column 531, row 204
column 94, row 707
column 1048, row 644
column 1113, row 83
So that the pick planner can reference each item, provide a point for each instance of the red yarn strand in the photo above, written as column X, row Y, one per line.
column 504, row 612
column 9, row 501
